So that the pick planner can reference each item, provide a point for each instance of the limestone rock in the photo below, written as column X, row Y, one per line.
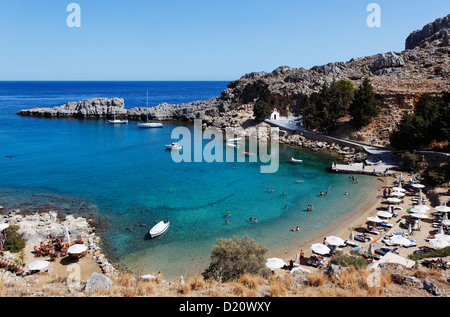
column 96, row 282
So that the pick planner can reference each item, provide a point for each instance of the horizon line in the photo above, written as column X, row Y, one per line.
column 101, row 80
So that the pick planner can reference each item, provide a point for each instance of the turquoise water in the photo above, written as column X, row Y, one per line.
column 125, row 177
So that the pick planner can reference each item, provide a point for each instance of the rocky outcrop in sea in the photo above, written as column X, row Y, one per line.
column 88, row 108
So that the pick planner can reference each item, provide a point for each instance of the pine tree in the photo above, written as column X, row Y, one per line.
column 365, row 106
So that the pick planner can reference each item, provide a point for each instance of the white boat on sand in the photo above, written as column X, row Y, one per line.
column 159, row 229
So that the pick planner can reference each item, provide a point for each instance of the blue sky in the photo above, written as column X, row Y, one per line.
column 196, row 39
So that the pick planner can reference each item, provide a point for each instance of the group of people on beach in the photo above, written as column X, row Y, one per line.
column 52, row 248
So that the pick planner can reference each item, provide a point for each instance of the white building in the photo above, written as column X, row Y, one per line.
column 290, row 122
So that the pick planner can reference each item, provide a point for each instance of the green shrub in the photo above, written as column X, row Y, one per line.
column 438, row 253
column 346, row 260
column 409, row 160
column 14, row 241
column 429, row 122
column 232, row 258
column 436, row 176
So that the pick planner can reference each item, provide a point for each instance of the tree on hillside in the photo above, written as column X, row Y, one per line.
column 429, row 122
column 261, row 110
column 411, row 134
column 231, row 258
column 325, row 107
column 364, row 106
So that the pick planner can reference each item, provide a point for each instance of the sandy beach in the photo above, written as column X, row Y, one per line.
column 357, row 222
column 342, row 228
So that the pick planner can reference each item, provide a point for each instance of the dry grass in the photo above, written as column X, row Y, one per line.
column 352, row 283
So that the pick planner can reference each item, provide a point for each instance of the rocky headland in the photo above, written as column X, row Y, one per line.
column 399, row 80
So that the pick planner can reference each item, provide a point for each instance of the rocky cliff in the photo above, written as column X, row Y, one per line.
column 399, row 79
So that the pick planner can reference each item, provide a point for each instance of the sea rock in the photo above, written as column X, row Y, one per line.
column 96, row 282
column 88, row 108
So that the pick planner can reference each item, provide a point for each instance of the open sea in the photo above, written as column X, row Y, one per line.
column 123, row 177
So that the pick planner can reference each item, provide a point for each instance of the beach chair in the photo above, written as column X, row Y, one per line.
column 79, row 240
column 63, row 251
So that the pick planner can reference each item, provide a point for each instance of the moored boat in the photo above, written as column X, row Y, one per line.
column 174, row 146
column 295, row 161
column 159, row 229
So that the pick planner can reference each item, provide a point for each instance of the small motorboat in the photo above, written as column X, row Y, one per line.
column 234, row 140
column 160, row 228
column 295, row 161
column 117, row 121
column 150, row 125
column 173, row 146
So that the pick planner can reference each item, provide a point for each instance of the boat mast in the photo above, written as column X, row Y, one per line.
column 147, row 106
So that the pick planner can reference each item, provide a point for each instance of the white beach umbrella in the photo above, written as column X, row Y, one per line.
column 398, row 189
column 275, row 263
column 77, row 248
column 446, row 222
column 3, row 226
column 320, row 248
column 398, row 239
column 418, row 186
column 384, row 214
column 443, row 208
column 375, row 219
column 333, row 240
column 419, row 209
column 393, row 200
column 38, row 265
column 397, row 194
column 438, row 243
column 444, row 237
